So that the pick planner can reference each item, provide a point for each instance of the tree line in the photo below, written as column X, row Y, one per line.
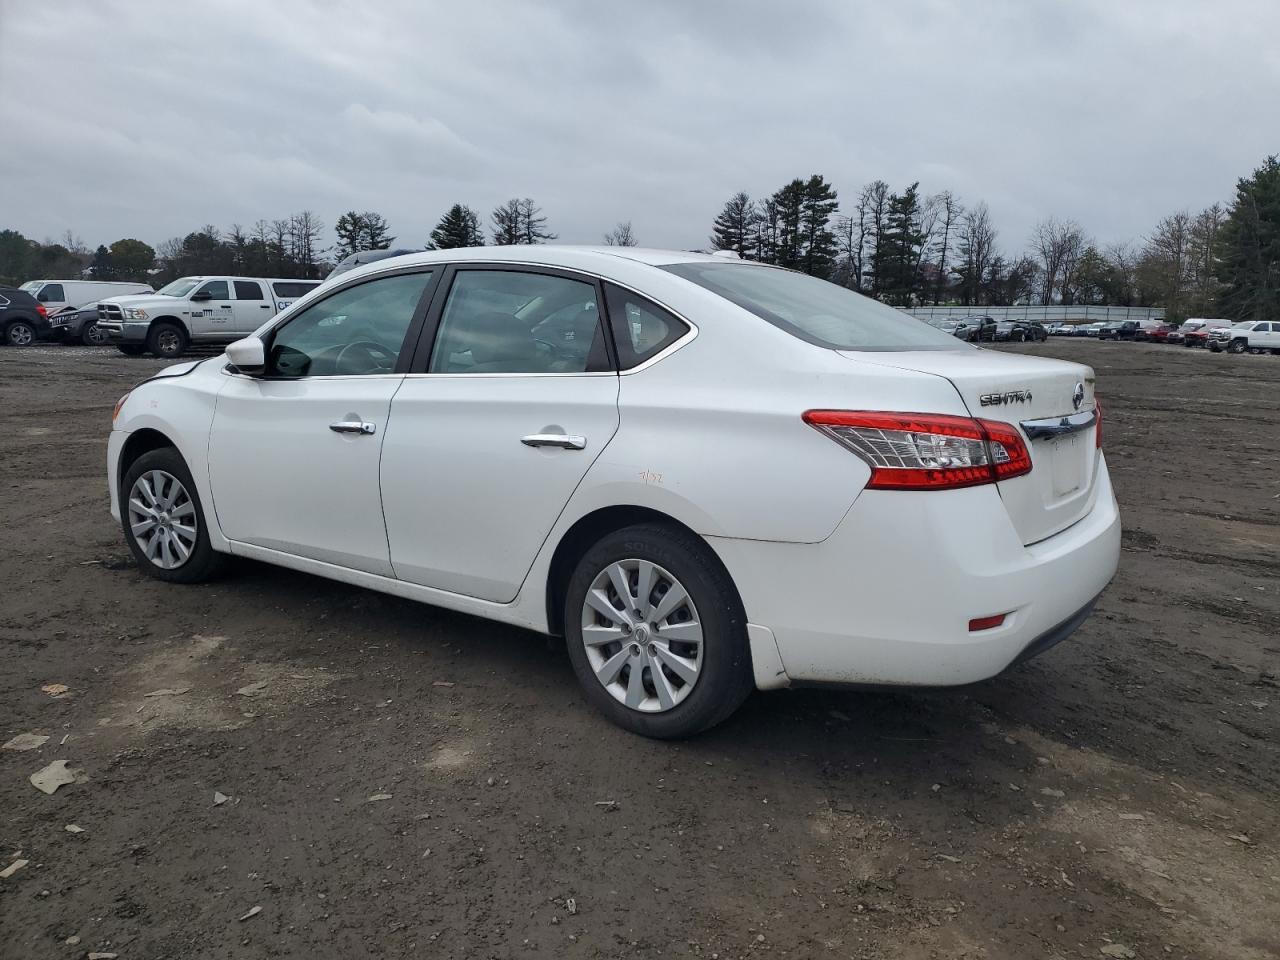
column 901, row 246
column 908, row 249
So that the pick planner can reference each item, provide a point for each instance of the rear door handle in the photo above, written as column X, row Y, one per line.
column 561, row 440
column 353, row 426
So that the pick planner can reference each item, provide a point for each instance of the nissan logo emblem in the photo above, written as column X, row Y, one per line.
column 1077, row 397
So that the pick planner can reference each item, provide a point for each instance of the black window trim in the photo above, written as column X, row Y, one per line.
column 411, row 335
column 421, row 360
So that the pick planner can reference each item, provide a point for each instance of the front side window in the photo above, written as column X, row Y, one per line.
column 248, row 290
column 359, row 331
column 216, row 289
column 641, row 328
column 52, row 293
column 816, row 311
column 510, row 321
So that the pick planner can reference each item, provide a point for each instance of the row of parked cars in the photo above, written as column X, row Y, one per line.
column 137, row 318
column 1250, row 336
column 989, row 330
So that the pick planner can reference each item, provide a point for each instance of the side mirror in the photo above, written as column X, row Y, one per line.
column 202, row 295
column 248, row 355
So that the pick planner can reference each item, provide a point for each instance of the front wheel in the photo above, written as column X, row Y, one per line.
column 163, row 519
column 656, row 632
column 91, row 336
column 167, row 340
column 20, row 334
column 1238, row 346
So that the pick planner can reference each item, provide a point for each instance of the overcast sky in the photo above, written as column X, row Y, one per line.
column 148, row 119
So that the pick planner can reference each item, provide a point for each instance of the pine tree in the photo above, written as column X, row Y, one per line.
column 102, row 268
column 898, row 250
column 1249, row 254
column 817, row 241
column 735, row 227
column 519, row 222
column 789, row 202
column 376, row 234
column 460, row 227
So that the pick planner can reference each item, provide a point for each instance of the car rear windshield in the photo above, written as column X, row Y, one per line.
column 814, row 310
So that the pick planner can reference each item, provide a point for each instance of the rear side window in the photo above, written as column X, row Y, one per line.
column 641, row 328
column 248, row 290
column 291, row 289
column 818, row 312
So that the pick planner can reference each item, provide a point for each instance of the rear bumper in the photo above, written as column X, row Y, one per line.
column 887, row 599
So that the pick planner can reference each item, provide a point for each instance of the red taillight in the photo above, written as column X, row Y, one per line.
column 42, row 309
column 926, row 451
column 1097, row 421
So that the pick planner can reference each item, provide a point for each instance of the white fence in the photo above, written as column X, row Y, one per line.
column 1049, row 313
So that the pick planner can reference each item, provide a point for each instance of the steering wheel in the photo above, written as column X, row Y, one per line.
column 377, row 358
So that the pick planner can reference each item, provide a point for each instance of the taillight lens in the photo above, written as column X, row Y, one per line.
column 926, row 451
column 1097, row 422
column 42, row 309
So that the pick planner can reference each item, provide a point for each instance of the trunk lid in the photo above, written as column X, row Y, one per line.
column 1017, row 389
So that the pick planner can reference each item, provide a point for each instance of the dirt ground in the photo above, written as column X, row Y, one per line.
column 404, row 781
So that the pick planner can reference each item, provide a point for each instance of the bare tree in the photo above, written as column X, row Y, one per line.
column 949, row 212
column 872, row 203
column 1167, row 260
column 1058, row 244
column 977, row 245
column 621, row 235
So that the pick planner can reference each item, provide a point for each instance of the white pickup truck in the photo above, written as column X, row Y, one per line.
column 196, row 310
column 1254, row 336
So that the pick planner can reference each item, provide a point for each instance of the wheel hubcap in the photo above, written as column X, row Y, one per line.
column 168, row 341
column 642, row 635
column 162, row 517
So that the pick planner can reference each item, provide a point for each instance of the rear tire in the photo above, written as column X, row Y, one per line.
column 20, row 333
column 713, row 672
column 167, row 340
column 164, row 524
column 130, row 349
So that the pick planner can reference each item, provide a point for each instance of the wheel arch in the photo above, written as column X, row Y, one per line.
column 140, row 441
column 584, row 532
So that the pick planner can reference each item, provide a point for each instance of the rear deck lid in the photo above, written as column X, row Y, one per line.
column 1035, row 394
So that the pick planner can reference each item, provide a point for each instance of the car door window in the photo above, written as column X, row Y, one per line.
column 359, row 331
column 248, row 290
column 641, row 328
column 216, row 289
column 511, row 321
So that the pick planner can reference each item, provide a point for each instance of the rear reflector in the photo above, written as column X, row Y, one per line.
column 926, row 451
column 986, row 623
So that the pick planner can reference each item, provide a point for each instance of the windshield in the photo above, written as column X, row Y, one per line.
column 179, row 288
column 814, row 310
column 31, row 286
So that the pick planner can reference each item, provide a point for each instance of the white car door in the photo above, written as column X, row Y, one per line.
column 211, row 314
column 252, row 307
column 487, row 443
column 293, row 453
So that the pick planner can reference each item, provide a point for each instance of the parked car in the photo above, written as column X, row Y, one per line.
column 1119, row 330
column 22, row 318
column 1175, row 335
column 196, row 310
column 59, row 295
column 76, row 325
column 1253, row 336
column 1195, row 332
column 521, row 433
column 1010, row 330
column 976, row 329
column 1034, row 330
column 1157, row 334
column 361, row 257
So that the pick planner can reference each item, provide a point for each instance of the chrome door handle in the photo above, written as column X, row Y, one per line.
column 353, row 426
column 561, row 440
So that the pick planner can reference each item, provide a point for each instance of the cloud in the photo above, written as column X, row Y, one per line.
column 154, row 118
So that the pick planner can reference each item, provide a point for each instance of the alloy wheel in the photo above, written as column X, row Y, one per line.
column 642, row 635
column 95, row 335
column 162, row 517
column 169, row 342
column 21, row 335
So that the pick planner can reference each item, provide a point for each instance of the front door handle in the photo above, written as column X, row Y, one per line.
column 561, row 440
column 353, row 426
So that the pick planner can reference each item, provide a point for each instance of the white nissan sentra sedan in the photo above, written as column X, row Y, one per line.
column 706, row 474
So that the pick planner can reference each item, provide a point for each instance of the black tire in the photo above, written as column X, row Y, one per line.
column 203, row 562
column 19, row 333
column 1237, row 346
column 725, row 677
column 167, row 339
column 130, row 349
column 91, row 336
